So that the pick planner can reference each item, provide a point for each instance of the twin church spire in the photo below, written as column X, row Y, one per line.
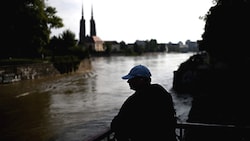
column 92, row 24
column 82, row 34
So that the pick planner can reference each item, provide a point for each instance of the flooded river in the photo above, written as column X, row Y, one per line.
column 77, row 106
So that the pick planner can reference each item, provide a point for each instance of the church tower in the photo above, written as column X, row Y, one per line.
column 92, row 24
column 92, row 42
column 82, row 33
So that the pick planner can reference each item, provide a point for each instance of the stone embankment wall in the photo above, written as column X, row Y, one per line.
column 9, row 74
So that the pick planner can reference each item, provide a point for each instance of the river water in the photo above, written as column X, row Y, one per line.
column 76, row 107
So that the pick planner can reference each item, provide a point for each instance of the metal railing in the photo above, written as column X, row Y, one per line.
column 180, row 128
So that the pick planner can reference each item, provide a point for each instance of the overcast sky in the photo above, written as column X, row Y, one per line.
column 131, row 20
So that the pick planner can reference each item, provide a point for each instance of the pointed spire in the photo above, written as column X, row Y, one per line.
column 82, row 28
column 92, row 15
column 92, row 24
column 82, row 10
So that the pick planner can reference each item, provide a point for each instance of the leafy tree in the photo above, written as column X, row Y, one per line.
column 66, row 53
column 138, row 49
column 68, row 38
column 226, row 31
column 66, row 44
column 153, row 47
column 220, row 88
column 27, row 28
column 123, row 45
column 108, row 47
column 53, row 20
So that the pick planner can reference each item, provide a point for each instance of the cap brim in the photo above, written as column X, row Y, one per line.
column 128, row 77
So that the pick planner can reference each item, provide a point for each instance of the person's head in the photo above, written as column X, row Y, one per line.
column 138, row 77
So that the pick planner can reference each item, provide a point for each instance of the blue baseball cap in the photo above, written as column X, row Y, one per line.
column 138, row 71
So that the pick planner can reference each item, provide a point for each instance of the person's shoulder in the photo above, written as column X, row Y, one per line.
column 160, row 92
column 158, row 86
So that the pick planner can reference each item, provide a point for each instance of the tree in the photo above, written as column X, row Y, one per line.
column 153, row 47
column 53, row 20
column 27, row 28
column 68, row 38
column 66, row 44
column 138, row 49
column 66, row 54
column 123, row 45
column 63, row 44
column 226, row 30
column 220, row 88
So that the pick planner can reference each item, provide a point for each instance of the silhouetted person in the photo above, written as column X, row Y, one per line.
column 148, row 114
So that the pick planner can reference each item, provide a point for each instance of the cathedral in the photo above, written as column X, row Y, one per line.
column 92, row 41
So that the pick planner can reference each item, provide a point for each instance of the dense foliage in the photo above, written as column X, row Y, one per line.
column 219, row 87
column 226, row 31
column 27, row 28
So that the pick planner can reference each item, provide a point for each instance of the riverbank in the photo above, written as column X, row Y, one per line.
column 14, row 73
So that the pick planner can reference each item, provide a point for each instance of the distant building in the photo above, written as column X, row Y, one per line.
column 113, row 45
column 92, row 42
column 192, row 46
column 189, row 46
column 174, row 47
column 98, row 44
column 141, row 43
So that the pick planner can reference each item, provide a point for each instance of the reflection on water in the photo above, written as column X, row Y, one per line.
column 77, row 106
